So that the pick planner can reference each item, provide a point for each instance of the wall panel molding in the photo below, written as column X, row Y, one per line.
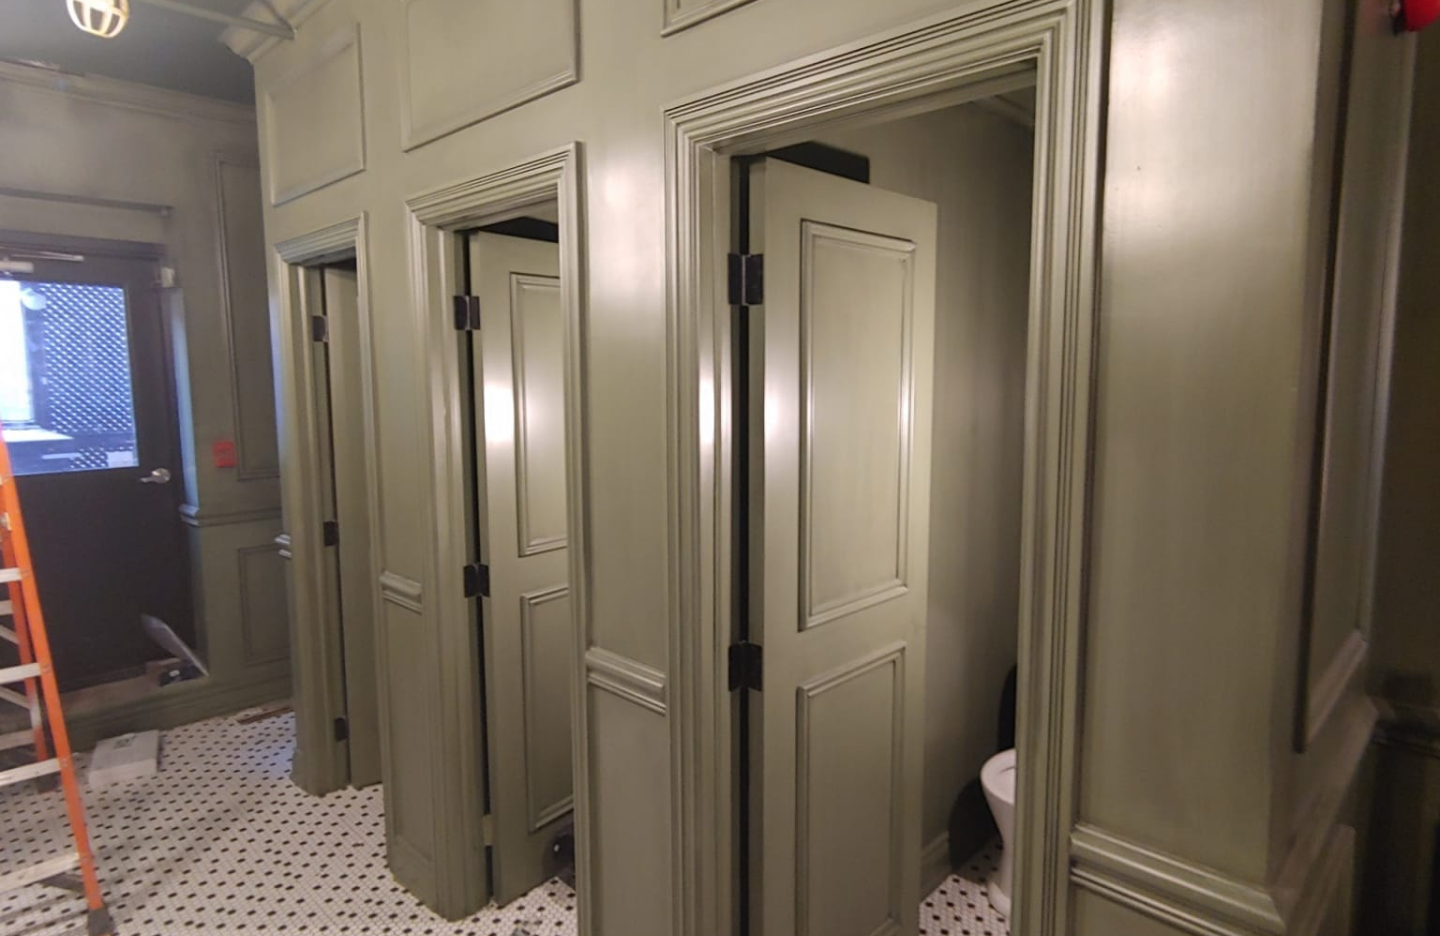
column 401, row 591
column 1190, row 896
column 456, row 50
column 629, row 679
column 239, row 232
column 314, row 120
column 681, row 15
column 195, row 516
column 253, row 591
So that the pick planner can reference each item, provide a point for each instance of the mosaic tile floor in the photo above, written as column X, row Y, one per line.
column 959, row 907
column 222, row 842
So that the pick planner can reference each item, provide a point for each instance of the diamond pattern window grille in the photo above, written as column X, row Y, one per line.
column 78, row 358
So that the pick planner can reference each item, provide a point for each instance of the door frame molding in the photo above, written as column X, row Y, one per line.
column 938, row 61
column 315, row 653
column 436, row 221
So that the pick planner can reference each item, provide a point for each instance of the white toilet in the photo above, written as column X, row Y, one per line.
column 998, row 779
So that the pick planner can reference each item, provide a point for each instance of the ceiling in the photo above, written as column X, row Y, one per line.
column 157, row 47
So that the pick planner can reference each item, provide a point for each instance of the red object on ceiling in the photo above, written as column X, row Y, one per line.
column 1415, row 15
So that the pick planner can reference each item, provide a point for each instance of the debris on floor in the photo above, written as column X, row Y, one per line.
column 128, row 757
column 251, row 716
column 221, row 841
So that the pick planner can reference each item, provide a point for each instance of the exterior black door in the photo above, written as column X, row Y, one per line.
column 87, row 406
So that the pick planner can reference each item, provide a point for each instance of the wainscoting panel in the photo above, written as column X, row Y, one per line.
column 409, row 816
column 630, row 837
column 313, row 122
column 264, row 610
column 465, row 60
column 246, row 309
column 680, row 14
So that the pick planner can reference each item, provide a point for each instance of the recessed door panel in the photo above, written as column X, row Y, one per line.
column 850, row 739
column 856, row 306
column 548, row 637
column 538, row 335
column 840, row 362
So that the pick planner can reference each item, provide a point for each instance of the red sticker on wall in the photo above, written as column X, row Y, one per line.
column 223, row 452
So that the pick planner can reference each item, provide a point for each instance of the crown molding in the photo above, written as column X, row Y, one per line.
column 116, row 93
column 252, row 45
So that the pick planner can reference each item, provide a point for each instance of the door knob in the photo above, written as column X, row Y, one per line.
column 158, row 476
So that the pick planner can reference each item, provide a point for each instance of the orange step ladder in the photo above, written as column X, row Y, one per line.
column 37, row 675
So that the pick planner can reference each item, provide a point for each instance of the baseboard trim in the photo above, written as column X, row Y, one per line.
column 935, row 862
column 1178, row 892
column 179, row 705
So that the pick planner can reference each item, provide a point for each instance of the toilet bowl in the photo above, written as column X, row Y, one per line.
column 998, row 779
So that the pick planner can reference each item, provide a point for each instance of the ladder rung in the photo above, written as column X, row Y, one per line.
column 39, row 872
column 8, row 634
column 6, row 608
column 14, row 674
column 17, row 739
column 9, row 575
column 10, row 695
column 29, row 772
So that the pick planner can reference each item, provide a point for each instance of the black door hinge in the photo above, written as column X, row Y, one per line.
column 319, row 328
column 747, row 279
column 330, row 532
column 747, row 666
column 476, row 576
column 342, row 730
column 467, row 313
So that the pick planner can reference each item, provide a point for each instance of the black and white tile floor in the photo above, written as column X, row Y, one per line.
column 222, row 842
column 959, row 907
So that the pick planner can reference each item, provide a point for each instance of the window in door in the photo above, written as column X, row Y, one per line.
column 65, row 390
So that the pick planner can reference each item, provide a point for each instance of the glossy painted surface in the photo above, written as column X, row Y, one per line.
column 975, row 165
column 1207, row 254
column 352, row 553
column 529, row 646
column 1189, row 643
column 840, row 469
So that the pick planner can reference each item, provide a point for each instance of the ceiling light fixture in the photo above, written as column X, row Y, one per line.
column 103, row 18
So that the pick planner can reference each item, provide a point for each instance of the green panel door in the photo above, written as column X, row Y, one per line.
column 839, row 424
column 356, row 606
column 524, row 540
